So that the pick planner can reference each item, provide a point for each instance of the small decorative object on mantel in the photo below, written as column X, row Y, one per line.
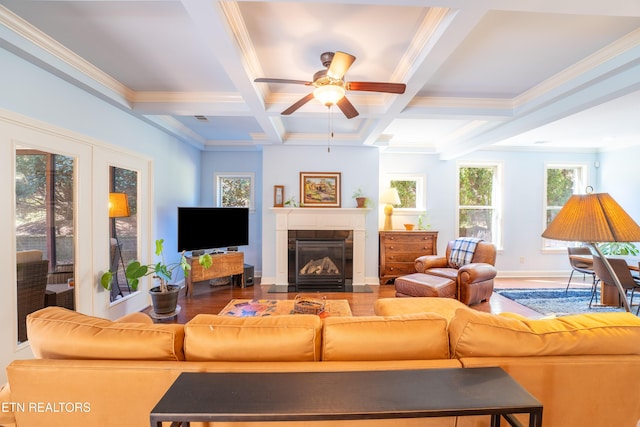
column 278, row 196
column 320, row 189
column 408, row 227
column 306, row 305
column 291, row 202
column 361, row 199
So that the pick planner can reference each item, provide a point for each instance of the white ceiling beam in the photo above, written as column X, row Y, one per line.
column 223, row 31
column 442, row 31
column 603, row 76
column 604, row 89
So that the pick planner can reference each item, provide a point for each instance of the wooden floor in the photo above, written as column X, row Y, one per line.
column 211, row 299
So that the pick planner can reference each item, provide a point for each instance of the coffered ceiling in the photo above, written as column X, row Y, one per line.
column 527, row 74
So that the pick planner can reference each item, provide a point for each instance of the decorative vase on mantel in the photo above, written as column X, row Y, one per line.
column 361, row 202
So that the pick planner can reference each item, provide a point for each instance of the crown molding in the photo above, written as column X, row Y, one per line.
column 580, row 70
column 424, row 36
column 42, row 41
column 187, row 97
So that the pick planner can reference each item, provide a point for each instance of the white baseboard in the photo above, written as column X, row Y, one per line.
column 537, row 273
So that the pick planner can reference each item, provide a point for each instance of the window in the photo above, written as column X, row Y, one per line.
column 235, row 190
column 561, row 182
column 411, row 189
column 480, row 202
column 44, row 222
column 44, row 205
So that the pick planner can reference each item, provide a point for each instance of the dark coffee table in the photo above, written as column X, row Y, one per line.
column 313, row 396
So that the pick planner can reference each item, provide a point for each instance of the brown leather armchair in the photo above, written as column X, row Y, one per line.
column 474, row 281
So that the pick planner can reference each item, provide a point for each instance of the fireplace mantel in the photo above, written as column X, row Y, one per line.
column 320, row 219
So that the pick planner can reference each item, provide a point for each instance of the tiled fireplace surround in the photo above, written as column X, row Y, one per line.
column 320, row 219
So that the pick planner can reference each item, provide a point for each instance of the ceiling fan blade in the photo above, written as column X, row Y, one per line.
column 347, row 108
column 297, row 105
column 340, row 64
column 267, row 80
column 376, row 87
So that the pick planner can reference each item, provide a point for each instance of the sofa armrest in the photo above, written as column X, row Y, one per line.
column 425, row 262
column 476, row 272
column 7, row 416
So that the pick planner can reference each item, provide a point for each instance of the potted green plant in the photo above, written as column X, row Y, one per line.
column 291, row 202
column 361, row 199
column 423, row 222
column 164, row 297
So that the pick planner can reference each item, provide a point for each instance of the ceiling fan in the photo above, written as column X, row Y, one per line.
column 330, row 86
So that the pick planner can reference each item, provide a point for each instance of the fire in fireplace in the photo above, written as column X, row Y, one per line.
column 320, row 260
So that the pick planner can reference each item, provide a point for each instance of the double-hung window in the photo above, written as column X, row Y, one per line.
column 480, row 201
column 561, row 182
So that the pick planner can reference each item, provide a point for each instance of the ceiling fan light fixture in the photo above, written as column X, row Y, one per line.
column 329, row 94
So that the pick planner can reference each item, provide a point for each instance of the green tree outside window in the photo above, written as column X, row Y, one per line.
column 562, row 181
column 407, row 191
column 477, row 215
column 235, row 190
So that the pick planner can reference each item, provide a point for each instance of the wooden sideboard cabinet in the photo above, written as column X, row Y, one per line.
column 223, row 265
column 399, row 249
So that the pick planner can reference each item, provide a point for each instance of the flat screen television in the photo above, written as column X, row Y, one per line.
column 202, row 228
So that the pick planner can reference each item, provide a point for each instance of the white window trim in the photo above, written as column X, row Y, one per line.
column 580, row 189
column 421, row 191
column 498, row 198
column 217, row 196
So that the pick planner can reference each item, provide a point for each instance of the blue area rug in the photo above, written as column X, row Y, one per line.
column 558, row 302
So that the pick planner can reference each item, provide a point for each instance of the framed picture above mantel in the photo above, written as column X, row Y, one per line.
column 320, row 189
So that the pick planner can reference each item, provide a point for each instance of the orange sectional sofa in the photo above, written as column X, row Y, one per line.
column 89, row 371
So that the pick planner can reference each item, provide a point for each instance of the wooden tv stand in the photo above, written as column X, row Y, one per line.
column 223, row 265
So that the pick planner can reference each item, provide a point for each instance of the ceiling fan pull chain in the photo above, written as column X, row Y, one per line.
column 330, row 136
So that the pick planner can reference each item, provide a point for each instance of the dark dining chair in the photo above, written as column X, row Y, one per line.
column 621, row 270
column 31, row 287
column 584, row 267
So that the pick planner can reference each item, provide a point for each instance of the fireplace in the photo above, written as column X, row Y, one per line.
column 320, row 260
column 333, row 220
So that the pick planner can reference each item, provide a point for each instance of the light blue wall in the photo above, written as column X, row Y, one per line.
column 282, row 166
column 620, row 178
column 37, row 94
column 31, row 94
column 237, row 161
column 523, row 185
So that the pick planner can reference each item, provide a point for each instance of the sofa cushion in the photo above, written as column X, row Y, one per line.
column 476, row 334
column 58, row 333
column 285, row 338
column 403, row 337
column 445, row 307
